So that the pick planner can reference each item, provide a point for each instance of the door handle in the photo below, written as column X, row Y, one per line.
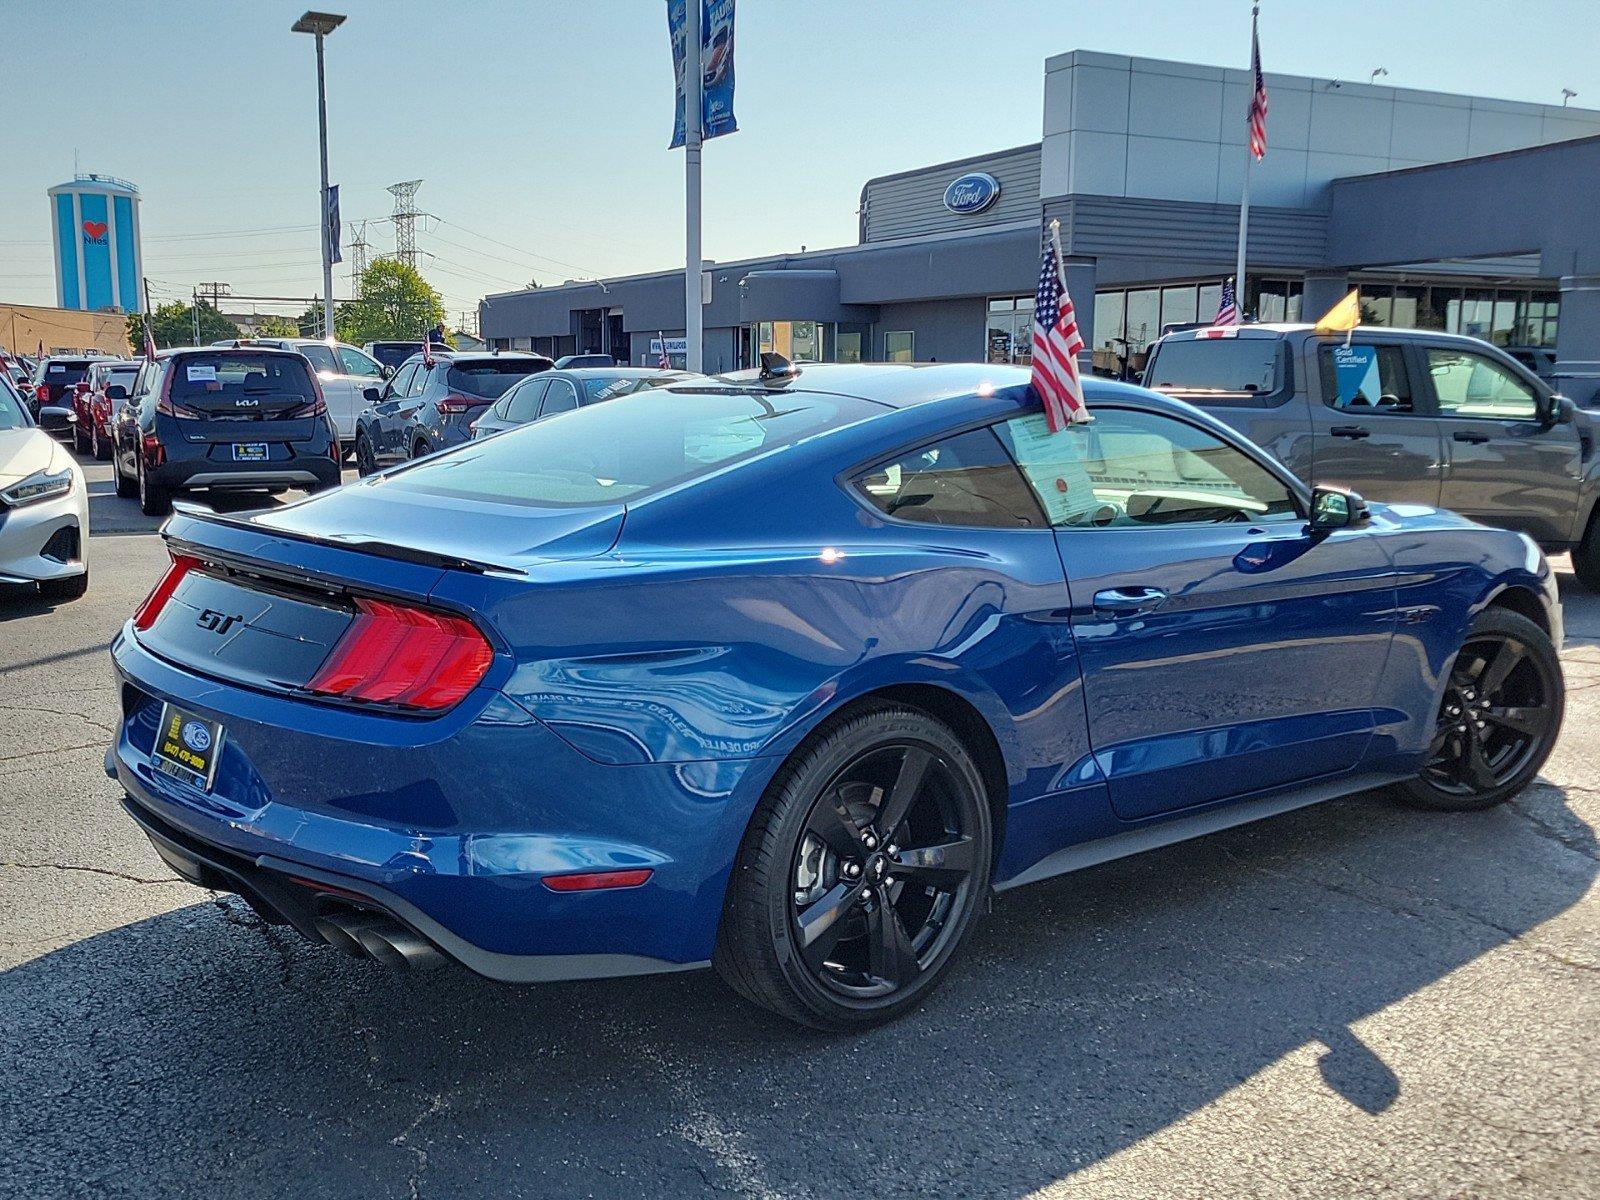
column 1129, row 600
column 1470, row 435
column 1350, row 431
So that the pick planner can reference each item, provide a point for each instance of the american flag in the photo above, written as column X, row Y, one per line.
column 427, row 349
column 1056, row 344
column 664, row 362
column 149, row 341
column 1228, row 310
column 1257, row 117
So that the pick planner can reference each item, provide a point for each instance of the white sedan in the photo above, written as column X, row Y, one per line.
column 44, row 507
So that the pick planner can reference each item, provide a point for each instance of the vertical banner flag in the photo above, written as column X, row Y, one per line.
column 330, row 224
column 716, row 66
column 1056, row 342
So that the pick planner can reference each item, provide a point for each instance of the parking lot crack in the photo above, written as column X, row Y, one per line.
column 436, row 1104
column 58, row 712
column 1553, row 833
column 106, row 871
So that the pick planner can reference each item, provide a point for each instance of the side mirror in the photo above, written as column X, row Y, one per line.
column 56, row 420
column 371, row 395
column 1335, row 508
column 1559, row 410
column 116, row 392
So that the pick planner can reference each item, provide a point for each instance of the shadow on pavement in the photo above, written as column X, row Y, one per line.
column 202, row 1053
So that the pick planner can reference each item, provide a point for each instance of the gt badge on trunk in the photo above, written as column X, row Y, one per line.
column 187, row 747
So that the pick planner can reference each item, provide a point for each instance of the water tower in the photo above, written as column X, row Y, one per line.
column 94, row 221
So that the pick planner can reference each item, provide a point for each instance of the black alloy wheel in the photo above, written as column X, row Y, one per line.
column 863, row 870
column 1497, row 723
column 366, row 461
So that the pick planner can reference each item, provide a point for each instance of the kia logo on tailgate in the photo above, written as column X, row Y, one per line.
column 972, row 193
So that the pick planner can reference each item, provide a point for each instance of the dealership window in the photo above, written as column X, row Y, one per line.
column 1110, row 311
column 1008, row 335
column 1178, row 305
column 798, row 341
column 1273, row 299
column 852, row 342
column 1503, row 316
column 1144, row 317
column 898, row 346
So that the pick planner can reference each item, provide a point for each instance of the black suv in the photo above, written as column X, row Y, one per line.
column 247, row 419
column 426, row 407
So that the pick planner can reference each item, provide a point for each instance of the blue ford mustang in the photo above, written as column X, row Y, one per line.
column 787, row 671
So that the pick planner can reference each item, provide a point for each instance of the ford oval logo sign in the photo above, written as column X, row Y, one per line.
column 972, row 193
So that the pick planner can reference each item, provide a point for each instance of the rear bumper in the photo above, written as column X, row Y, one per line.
column 209, row 474
column 448, row 825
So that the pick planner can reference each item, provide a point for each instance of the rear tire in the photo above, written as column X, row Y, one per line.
column 62, row 591
column 154, row 500
column 419, row 448
column 861, row 873
column 78, row 443
column 1498, row 719
column 366, row 461
column 1586, row 556
column 98, row 448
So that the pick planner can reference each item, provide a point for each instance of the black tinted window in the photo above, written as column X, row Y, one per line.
column 968, row 479
column 1229, row 365
column 524, row 405
column 559, row 398
column 243, row 373
column 488, row 378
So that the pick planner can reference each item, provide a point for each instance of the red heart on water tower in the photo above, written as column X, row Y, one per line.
column 95, row 229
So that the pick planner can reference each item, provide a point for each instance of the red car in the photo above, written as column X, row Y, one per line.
column 96, row 409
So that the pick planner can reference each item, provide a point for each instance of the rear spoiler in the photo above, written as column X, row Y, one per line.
column 410, row 554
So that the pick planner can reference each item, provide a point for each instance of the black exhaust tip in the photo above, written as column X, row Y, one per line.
column 382, row 938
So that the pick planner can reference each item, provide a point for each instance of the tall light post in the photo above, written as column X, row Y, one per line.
column 321, row 24
column 693, row 133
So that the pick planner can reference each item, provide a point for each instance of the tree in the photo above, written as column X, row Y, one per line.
column 393, row 303
column 276, row 327
column 173, row 325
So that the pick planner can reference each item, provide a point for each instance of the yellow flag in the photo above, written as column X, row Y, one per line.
column 1343, row 316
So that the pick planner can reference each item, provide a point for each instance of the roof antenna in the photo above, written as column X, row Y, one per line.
column 775, row 368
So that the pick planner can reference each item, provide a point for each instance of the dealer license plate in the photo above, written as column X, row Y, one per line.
column 249, row 452
column 187, row 747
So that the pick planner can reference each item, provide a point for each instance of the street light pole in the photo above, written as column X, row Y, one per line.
column 321, row 24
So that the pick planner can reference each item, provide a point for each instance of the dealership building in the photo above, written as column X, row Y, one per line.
column 1450, row 212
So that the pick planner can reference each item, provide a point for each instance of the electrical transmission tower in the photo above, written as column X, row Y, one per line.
column 358, row 252
column 405, row 221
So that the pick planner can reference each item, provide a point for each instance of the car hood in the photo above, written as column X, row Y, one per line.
column 371, row 513
column 24, row 452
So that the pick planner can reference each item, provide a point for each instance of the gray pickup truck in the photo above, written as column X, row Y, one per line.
column 1403, row 415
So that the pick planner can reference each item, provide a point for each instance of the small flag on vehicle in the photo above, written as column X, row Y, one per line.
column 149, row 340
column 1228, row 309
column 1343, row 316
column 1257, row 116
column 665, row 362
column 1056, row 342
column 427, row 348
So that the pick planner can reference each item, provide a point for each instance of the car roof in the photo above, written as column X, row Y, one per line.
column 481, row 355
column 246, row 348
column 620, row 371
column 1283, row 329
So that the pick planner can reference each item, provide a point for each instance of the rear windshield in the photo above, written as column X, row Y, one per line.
column 613, row 452
column 610, row 389
column 241, row 373
column 489, row 378
column 65, row 372
column 1227, row 365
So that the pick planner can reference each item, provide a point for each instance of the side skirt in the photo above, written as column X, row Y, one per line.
column 1182, row 829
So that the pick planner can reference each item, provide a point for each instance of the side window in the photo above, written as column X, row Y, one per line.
column 964, row 480
column 1470, row 385
column 353, row 362
column 321, row 357
column 398, row 385
column 524, row 402
column 1366, row 379
column 418, row 381
column 558, row 397
column 1129, row 468
column 150, row 385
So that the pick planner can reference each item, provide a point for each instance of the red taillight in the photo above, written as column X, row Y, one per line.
column 165, row 405
column 408, row 657
column 455, row 404
column 147, row 613
column 591, row 881
column 42, row 393
column 316, row 408
column 154, row 452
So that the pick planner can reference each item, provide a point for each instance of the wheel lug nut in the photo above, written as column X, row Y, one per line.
column 870, row 842
column 893, row 849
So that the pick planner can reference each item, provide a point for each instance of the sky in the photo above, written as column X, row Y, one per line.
column 540, row 128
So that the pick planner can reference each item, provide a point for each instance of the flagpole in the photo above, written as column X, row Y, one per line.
column 1244, row 195
column 693, row 115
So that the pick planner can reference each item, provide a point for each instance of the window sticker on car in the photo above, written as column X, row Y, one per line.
column 202, row 373
column 1356, row 370
column 1053, row 463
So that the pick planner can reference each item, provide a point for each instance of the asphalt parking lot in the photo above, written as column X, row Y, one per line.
column 1348, row 1000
